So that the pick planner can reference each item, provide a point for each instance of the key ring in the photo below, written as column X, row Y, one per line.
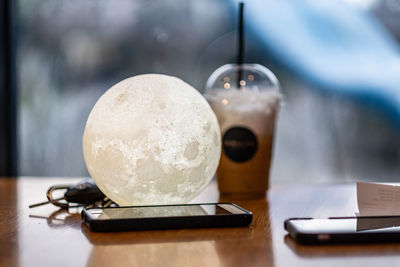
column 56, row 201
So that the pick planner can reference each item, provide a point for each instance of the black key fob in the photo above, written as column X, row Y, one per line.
column 84, row 192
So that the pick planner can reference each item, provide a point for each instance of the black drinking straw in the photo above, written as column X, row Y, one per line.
column 240, row 42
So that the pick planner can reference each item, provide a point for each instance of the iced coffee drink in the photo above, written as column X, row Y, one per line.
column 246, row 114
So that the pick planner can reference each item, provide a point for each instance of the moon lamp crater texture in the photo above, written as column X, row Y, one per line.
column 151, row 139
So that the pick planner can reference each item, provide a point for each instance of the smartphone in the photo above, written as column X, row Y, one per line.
column 165, row 217
column 344, row 229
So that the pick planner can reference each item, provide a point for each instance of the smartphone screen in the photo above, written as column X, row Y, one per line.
column 347, row 225
column 165, row 211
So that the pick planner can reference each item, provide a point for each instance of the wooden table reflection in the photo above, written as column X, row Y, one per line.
column 46, row 236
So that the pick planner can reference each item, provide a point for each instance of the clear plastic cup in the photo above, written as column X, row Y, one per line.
column 246, row 100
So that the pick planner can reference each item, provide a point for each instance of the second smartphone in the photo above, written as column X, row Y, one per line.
column 344, row 230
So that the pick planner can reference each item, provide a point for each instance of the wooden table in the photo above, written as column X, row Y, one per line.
column 45, row 236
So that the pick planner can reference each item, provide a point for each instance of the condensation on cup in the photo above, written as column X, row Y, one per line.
column 246, row 99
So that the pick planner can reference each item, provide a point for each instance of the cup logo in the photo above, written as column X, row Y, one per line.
column 240, row 144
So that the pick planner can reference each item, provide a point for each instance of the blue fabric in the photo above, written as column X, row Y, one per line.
column 332, row 46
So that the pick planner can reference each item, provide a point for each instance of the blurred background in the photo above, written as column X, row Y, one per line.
column 338, row 63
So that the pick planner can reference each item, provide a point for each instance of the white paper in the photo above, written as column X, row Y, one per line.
column 378, row 199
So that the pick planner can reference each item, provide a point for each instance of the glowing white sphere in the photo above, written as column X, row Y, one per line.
column 151, row 139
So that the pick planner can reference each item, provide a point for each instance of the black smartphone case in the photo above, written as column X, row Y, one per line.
column 162, row 223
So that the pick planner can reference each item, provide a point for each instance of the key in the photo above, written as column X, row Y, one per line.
column 44, row 202
column 84, row 193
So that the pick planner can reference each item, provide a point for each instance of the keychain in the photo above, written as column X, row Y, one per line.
column 84, row 193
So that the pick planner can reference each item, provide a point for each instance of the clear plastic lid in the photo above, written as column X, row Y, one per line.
column 246, row 77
